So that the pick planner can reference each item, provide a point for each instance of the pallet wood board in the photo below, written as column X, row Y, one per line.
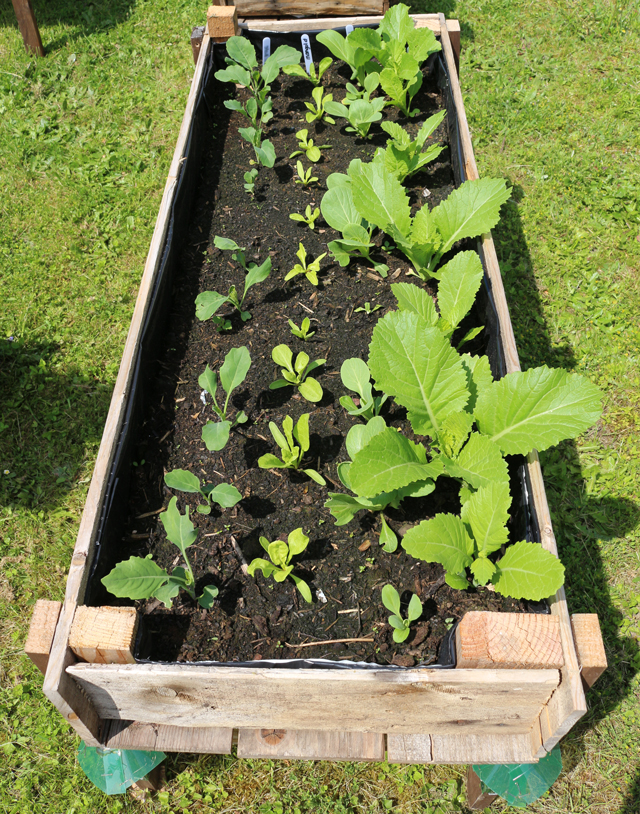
column 152, row 737
column 310, row 744
column 303, row 8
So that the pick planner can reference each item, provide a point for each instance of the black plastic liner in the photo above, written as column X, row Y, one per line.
column 110, row 527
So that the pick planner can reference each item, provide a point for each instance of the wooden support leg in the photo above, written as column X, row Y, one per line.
column 41, row 632
column 477, row 799
column 197, row 35
column 28, row 27
column 589, row 646
column 104, row 635
column 222, row 22
column 154, row 781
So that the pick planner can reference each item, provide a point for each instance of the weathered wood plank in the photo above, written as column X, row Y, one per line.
column 158, row 738
column 465, row 748
column 422, row 21
column 310, row 744
column 305, row 8
column 590, row 647
column 41, row 632
column 104, row 635
column 28, row 27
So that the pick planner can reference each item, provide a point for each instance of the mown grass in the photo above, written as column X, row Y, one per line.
column 551, row 92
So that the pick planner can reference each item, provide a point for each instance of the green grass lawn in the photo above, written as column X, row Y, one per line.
column 552, row 93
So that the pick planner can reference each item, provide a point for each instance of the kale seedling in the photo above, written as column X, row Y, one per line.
column 308, row 148
column 208, row 302
column 281, row 554
column 297, row 375
column 310, row 271
column 142, row 578
column 303, row 331
column 391, row 601
column 318, row 111
column 291, row 453
column 309, row 217
column 367, row 308
column 356, row 376
column 312, row 76
column 224, row 494
column 233, row 372
column 304, row 178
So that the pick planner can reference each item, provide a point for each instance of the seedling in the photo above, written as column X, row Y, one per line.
column 142, row 578
column 367, row 308
column 280, row 554
column 317, row 112
column 404, row 157
column 233, row 372
column 391, row 601
column 360, row 114
column 209, row 302
column 308, row 148
column 309, row 217
column 312, row 76
column 250, row 181
column 355, row 375
column 291, row 453
column 224, row 494
column 297, row 375
column 304, row 178
column 310, row 271
column 303, row 331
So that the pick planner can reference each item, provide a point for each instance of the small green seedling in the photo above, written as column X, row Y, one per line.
column 308, row 148
column 291, row 453
column 233, row 372
column 356, row 376
column 318, row 111
column 404, row 157
column 312, row 76
column 224, row 494
column 391, row 601
column 250, row 181
column 305, row 178
column 303, row 331
column 297, row 375
column 309, row 217
column 360, row 113
column 281, row 554
column 310, row 271
column 142, row 578
column 209, row 302
column 367, row 308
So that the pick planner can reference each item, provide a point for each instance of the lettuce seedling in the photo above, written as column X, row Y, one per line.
column 224, row 494
column 356, row 376
column 312, row 76
column 291, row 453
column 280, row 554
column 305, row 178
column 391, row 601
column 303, row 331
column 318, row 111
column 233, row 372
column 310, row 271
column 208, row 302
column 360, row 114
column 297, row 375
column 309, row 217
column 142, row 578
column 308, row 148
column 403, row 157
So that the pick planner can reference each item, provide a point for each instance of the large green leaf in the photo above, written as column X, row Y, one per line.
column 479, row 463
column 356, row 376
column 486, row 513
column 343, row 507
column 418, row 367
column 215, row 434
column 479, row 376
column 442, row 539
column 360, row 434
column 396, row 25
column 208, row 302
column 224, row 494
column 413, row 298
column 338, row 209
column 234, row 73
column 537, row 408
column 182, row 480
column 242, row 51
column 528, row 571
column 283, row 55
column 235, row 368
column 135, row 578
column 470, row 210
column 257, row 274
column 460, row 280
column 338, row 45
column 179, row 528
column 380, row 197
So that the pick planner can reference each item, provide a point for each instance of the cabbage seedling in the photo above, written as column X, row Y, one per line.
column 308, row 148
column 250, row 181
column 312, row 76
column 356, row 376
column 233, row 372
column 318, row 111
column 310, row 271
column 304, row 178
column 391, row 601
column 303, row 331
column 291, row 453
column 360, row 114
column 297, row 375
column 280, row 554
column 404, row 157
column 309, row 217
column 224, row 494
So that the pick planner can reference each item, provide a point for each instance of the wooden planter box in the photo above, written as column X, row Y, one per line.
column 515, row 692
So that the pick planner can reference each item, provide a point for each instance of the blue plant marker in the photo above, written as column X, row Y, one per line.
column 114, row 770
column 521, row 784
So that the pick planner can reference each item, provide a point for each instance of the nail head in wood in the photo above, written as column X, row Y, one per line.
column 589, row 646
column 477, row 799
column 41, row 632
column 222, row 22
column 488, row 640
column 104, row 635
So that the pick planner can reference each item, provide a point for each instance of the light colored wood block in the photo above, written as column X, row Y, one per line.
column 104, row 635
column 590, row 647
column 41, row 632
column 310, row 744
column 488, row 640
column 159, row 738
column 222, row 22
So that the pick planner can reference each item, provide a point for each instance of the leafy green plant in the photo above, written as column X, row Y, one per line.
column 303, row 331
column 224, row 494
column 360, row 114
column 233, row 372
column 371, row 83
column 356, row 376
column 316, row 110
column 404, row 157
column 310, row 271
column 292, row 454
column 309, row 217
column 142, row 578
column 308, row 148
column 306, row 178
column 208, row 302
column 280, row 566
column 297, row 375
column 367, row 309
column 391, row 601
column 313, row 76
column 250, row 180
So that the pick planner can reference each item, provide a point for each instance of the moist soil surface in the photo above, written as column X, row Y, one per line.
column 344, row 566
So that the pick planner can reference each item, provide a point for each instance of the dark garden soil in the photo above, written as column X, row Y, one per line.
column 344, row 565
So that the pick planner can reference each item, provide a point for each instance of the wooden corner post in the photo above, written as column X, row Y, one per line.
column 222, row 22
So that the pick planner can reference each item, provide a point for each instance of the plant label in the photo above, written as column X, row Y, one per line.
column 306, row 51
column 266, row 49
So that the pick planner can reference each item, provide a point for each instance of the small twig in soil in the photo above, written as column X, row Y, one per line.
column 351, row 610
column 243, row 563
column 164, row 436
column 330, row 626
column 326, row 641
column 305, row 307
column 149, row 514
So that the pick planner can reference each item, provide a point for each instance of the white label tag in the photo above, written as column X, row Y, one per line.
column 266, row 49
column 348, row 29
column 306, row 51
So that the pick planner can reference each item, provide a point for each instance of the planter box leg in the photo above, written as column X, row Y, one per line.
column 222, row 22
column 104, row 635
column 28, row 27
column 589, row 646
column 477, row 799
column 197, row 35
column 41, row 632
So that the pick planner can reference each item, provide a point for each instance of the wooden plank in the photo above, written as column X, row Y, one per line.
column 590, row 647
column 158, row 738
column 41, row 632
column 431, row 21
column 477, row 799
column 465, row 748
column 305, row 8
column 222, row 22
column 197, row 34
column 58, row 687
column 409, row 748
column 28, row 27
column 104, row 635
column 310, row 744
column 386, row 701
column 508, row 641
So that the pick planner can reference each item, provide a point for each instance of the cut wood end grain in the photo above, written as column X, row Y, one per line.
column 222, row 22
column 104, row 635
column 41, row 632
column 590, row 647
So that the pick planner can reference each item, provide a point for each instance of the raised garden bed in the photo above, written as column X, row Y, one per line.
column 199, row 706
